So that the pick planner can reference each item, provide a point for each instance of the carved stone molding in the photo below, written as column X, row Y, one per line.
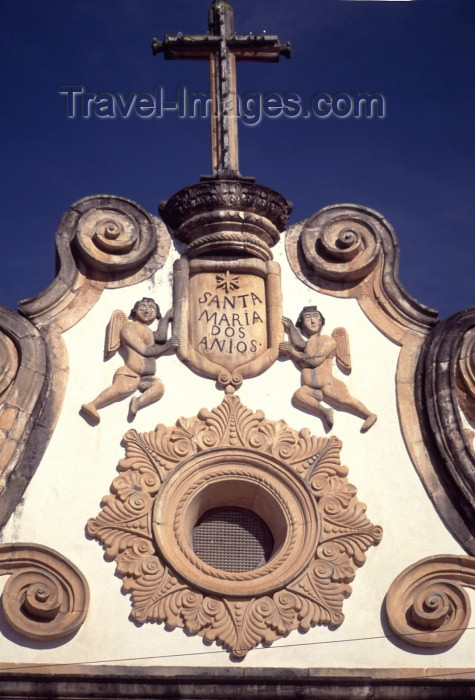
column 9, row 362
column 220, row 207
column 46, row 596
column 349, row 250
column 24, row 426
column 233, row 457
column 427, row 605
column 235, row 242
column 85, row 681
column 466, row 374
column 445, row 367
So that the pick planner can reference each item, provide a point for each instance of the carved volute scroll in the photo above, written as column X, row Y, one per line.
column 225, row 458
column 111, row 238
column 112, row 241
column 46, row 597
column 427, row 605
column 313, row 355
column 139, row 347
column 348, row 250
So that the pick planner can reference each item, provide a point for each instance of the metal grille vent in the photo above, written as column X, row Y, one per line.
column 232, row 539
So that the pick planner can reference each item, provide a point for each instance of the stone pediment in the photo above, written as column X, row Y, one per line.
column 227, row 522
column 230, row 289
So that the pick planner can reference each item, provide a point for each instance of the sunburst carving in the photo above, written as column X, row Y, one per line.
column 171, row 475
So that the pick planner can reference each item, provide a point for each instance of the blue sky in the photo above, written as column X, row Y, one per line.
column 414, row 166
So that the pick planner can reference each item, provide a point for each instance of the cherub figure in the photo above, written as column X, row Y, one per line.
column 315, row 359
column 140, row 346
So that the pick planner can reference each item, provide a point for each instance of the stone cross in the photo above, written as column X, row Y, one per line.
column 222, row 48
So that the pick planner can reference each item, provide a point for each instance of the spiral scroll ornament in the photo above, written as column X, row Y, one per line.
column 46, row 597
column 427, row 605
column 342, row 243
column 224, row 458
column 117, row 237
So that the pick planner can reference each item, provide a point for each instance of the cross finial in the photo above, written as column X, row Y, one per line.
column 222, row 48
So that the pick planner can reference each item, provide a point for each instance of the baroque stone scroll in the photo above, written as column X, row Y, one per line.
column 46, row 597
column 427, row 605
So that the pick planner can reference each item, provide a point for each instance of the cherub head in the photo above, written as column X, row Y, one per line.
column 146, row 310
column 310, row 320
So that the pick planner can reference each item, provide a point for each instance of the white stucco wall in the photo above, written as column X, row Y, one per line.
column 80, row 464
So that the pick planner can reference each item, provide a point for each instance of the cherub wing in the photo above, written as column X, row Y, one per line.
column 114, row 327
column 343, row 358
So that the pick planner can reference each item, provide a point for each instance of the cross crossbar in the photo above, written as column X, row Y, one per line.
column 222, row 48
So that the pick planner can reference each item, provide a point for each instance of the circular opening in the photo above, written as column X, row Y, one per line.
column 236, row 478
column 232, row 539
column 236, row 494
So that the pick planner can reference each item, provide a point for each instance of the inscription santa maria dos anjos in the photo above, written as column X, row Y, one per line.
column 228, row 319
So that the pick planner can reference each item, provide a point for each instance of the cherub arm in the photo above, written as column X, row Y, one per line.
column 322, row 349
column 131, row 339
column 160, row 334
column 295, row 337
column 301, row 359
column 164, row 348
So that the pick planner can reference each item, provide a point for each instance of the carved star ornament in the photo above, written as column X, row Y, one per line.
column 232, row 457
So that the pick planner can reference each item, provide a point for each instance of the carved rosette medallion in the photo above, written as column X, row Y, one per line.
column 228, row 317
column 231, row 457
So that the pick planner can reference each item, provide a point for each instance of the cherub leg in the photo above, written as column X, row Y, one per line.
column 122, row 386
column 152, row 389
column 309, row 400
column 337, row 395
